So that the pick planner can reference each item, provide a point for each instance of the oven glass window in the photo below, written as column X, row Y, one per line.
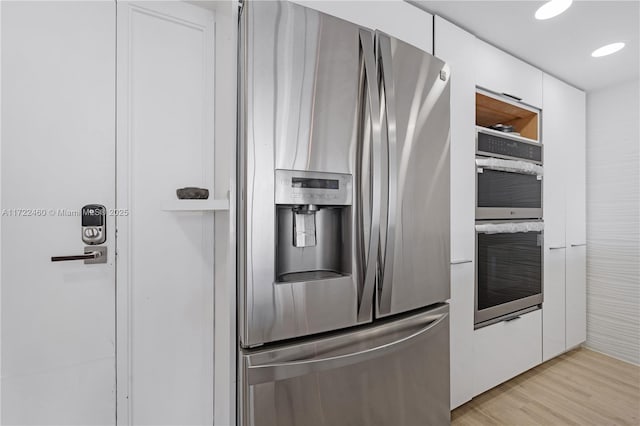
column 509, row 267
column 507, row 189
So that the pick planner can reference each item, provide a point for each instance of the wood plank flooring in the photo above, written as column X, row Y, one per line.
column 581, row 387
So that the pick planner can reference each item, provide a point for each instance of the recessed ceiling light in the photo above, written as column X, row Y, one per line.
column 552, row 8
column 607, row 50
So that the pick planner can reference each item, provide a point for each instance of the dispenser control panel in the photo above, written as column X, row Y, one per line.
column 303, row 187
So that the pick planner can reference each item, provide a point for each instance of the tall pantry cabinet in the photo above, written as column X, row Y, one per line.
column 564, row 189
column 456, row 47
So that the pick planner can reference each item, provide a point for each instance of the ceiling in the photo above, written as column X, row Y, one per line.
column 561, row 46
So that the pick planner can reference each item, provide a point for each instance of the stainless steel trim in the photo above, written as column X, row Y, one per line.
column 366, row 298
column 578, row 245
column 460, row 262
column 489, row 213
column 384, row 57
column 92, row 255
column 506, row 318
column 271, row 372
column 498, row 312
column 557, row 247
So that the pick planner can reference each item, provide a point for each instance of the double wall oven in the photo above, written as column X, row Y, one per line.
column 509, row 226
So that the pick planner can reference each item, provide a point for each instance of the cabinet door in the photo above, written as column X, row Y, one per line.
column 461, row 333
column 500, row 72
column 502, row 351
column 555, row 134
column 563, row 131
column 553, row 307
column 455, row 46
column 397, row 18
column 576, row 294
column 575, row 121
column 576, row 221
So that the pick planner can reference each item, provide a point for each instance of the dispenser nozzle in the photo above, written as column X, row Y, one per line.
column 304, row 225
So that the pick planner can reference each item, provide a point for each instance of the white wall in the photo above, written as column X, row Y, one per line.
column 613, row 221
column 397, row 18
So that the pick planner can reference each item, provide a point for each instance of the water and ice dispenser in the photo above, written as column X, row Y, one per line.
column 314, row 225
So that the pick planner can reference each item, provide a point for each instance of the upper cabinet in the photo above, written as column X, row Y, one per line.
column 455, row 46
column 504, row 74
column 396, row 18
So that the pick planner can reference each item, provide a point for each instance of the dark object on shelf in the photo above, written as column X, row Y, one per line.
column 191, row 193
column 503, row 128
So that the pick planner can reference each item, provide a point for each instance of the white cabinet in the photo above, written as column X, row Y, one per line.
column 576, row 296
column 455, row 46
column 554, row 138
column 396, row 18
column 461, row 333
column 563, row 135
column 576, row 223
column 500, row 72
column 506, row 349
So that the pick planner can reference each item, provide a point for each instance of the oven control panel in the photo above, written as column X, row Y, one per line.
column 493, row 145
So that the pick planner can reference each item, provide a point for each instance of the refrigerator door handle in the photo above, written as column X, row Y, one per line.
column 391, row 161
column 266, row 373
column 372, row 97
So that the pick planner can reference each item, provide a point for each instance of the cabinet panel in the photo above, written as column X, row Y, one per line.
column 564, row 215
column 576, row 304
column 456, row 46
column 500, row 72
column 506, row 349
column 553, row 307
column 461, row 329
column 576, row 167
column 555, row 136
column 396, row 18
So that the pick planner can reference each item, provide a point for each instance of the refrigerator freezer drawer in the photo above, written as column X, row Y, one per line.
column 394, row 373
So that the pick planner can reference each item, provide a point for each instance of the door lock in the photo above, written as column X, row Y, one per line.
column 94, row 224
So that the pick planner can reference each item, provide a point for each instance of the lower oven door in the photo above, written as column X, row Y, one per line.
column 392, row 373
column 503, row 192
column 509, row 262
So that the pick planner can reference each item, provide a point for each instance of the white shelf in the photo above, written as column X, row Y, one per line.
column 195, row 205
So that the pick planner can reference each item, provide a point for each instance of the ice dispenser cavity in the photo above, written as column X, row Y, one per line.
column 314, row 225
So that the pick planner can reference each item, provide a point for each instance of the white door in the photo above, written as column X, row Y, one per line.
column 165, row 141
column 58, row 154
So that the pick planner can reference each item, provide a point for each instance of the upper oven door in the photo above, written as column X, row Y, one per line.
column 508, row 189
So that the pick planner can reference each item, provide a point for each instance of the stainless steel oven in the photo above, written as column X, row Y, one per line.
column 509, row 265
column 508, row 176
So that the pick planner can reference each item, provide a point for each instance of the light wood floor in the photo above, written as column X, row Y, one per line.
column 581, row 387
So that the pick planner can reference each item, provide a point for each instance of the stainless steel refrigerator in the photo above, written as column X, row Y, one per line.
column 343, row 224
